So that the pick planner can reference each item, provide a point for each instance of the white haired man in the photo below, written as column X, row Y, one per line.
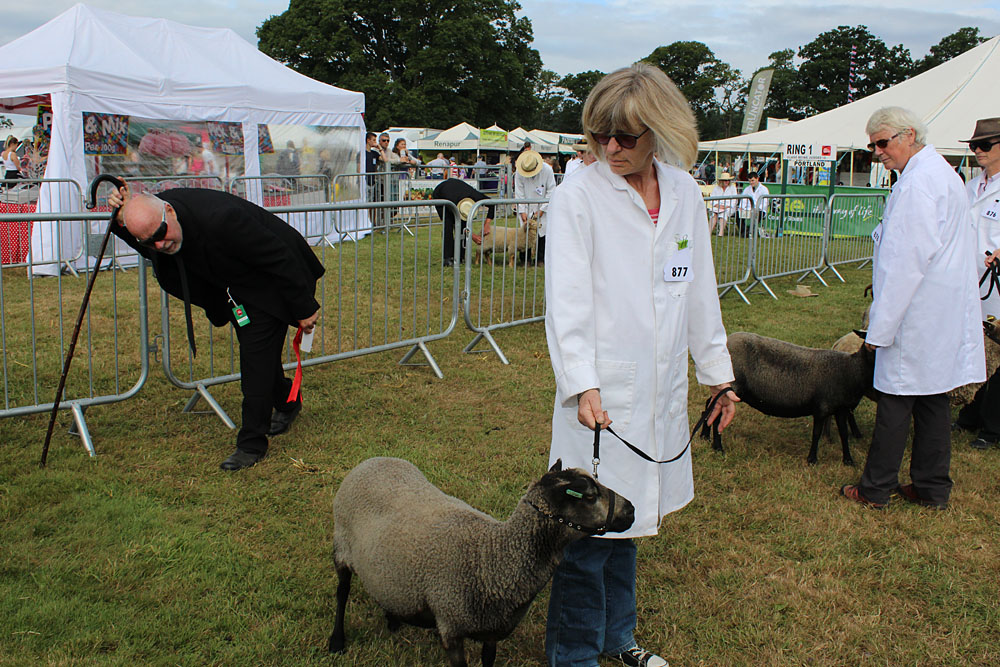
column 923, row 272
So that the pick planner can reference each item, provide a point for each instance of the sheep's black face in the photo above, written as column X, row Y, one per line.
column 580, row 499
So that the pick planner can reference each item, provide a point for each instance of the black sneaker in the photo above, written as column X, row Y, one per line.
column 981, row 443
column 640, row 657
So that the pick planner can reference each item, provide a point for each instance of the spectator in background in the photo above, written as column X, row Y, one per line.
column 925, row 315
column 983, row 414
column 750, row 212
column 288, row 160
column 11, row 160
column 438, row 164
column 210, row 166
column 533, row 179
column 576, row 161
column 724, row 208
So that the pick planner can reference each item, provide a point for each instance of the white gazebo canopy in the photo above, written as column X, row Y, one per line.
column 89, row 60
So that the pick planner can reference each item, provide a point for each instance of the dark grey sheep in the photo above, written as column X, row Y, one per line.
column 431, row 560
column 785, row 380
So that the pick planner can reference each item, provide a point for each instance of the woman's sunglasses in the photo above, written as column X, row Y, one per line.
column 984, row 145
column 624, row 140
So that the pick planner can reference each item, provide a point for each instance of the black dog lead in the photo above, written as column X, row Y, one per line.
column 701, row 422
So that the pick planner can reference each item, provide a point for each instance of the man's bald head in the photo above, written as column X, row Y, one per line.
column 143, row 214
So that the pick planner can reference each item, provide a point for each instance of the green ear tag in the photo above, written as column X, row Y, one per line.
column 241, row 316
column 575, row 494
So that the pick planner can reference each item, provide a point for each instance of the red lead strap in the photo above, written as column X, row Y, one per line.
column 293, row 395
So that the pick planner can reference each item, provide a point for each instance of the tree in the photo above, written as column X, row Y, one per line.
column 703, row 79
column 430, row 63
column 784, row 83
column 824, row 75
column 953, row 45
column 578, row 87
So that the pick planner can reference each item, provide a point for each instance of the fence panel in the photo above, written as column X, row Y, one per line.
column 59, row 243
column 790, row 238
column 37, row 317
column 730, row 222
column 852, row 219
column 387, row 290
column 302, row 190
column 504, row 285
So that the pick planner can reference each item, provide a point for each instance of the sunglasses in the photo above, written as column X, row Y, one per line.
column 158, row 235
column 882, row 143
column 984, row 145
column 624, row 140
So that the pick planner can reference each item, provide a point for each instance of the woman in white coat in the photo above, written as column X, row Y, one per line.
column 925, row 316
column 983, row 414
column 630, row 291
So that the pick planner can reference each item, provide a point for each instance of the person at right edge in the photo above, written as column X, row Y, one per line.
column 982, row 416
column 630, row 290
column 925, row 324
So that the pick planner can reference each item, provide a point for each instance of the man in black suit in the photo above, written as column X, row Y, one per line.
column 240, row 264
column 457, row 191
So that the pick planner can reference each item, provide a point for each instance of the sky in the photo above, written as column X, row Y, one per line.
column 579, row 35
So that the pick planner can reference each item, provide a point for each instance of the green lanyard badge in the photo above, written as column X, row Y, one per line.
column 239, row 312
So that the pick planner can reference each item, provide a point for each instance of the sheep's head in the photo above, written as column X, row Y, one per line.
column 578, row 500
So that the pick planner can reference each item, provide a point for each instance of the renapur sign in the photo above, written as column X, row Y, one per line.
column 812, row 154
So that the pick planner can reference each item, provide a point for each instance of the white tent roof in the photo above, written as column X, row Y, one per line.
column 93, row 60
column 517, row 136
column 948, row 98
column 462, row 137
column 563, row 141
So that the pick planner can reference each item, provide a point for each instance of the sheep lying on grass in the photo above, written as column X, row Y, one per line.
column 785, row 380
column 511, row 240
column 429, row 559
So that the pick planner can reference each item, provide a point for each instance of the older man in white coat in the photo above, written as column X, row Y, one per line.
column 924, row 320
column 983, row 414
column 533, row 179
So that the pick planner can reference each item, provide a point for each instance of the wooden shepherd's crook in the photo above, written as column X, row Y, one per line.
column 91, row 204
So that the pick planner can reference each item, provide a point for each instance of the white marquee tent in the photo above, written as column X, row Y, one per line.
column 948, row 98
column 92, row 60
column 462, row 137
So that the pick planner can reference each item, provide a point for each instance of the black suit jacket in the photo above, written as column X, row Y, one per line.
column 455, row 191
column 231, row 243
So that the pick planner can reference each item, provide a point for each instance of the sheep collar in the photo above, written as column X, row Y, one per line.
column 589, row 530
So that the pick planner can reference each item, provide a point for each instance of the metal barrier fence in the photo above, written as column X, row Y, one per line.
column 496, row 297
column 851, row 221
column 387, row 291
column 37, row 316
column 790, row 239
column 53, row 239
column 730, row 221
column 300, row 190
column 156, row 184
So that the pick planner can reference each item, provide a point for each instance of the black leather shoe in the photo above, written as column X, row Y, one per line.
column 448, row 262
column 280, row 421
column 240, row 459
column 981, row 443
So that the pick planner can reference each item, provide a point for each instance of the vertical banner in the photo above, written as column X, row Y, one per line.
column 756, row 99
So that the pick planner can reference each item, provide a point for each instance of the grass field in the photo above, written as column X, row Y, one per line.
column 149, row 554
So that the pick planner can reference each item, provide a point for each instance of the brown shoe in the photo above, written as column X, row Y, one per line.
column 910, row 494
column 851, row 492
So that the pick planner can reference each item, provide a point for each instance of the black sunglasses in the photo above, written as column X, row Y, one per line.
column 158, row 235
column 881, row 143
column 984, row 145
column 624, row 140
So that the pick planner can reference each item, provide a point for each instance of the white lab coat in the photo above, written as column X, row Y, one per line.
column 572, row 166
column 925, row 317
column 614, row 323
column 987, row 232
column 539, row 186
column 755, row 195
column 724, row 208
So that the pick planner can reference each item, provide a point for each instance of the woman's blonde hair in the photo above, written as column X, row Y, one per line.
column 637, row 97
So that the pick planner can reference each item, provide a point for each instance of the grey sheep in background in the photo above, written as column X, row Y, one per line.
column 431, row 560
column 786, row 380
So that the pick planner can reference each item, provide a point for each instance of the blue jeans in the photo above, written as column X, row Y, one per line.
column 592, row 605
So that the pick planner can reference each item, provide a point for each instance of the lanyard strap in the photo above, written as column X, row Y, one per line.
column 993, row 273
column 701, row 422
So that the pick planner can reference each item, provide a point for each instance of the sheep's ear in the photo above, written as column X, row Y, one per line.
column 557, row 466
column 861, row 333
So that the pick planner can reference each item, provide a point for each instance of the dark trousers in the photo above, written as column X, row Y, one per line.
column 448, row 251
column 930, row 460
column 262, row 378
column 983, row 414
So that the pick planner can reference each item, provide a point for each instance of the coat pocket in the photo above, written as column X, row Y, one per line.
column 617, row 389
